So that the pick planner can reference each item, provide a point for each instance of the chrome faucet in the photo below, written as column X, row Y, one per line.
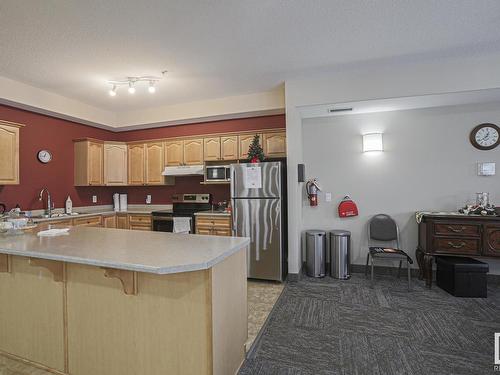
column 49, row 201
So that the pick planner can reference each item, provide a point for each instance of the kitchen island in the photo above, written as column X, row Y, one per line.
column 109, row 301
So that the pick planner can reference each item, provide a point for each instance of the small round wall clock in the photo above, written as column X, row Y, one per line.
column 44, row 156
column 485, row 136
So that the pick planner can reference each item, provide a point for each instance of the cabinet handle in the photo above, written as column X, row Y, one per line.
column 456, row 246
column 456, row 230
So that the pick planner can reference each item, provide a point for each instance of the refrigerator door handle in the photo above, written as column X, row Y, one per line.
column 234, row 221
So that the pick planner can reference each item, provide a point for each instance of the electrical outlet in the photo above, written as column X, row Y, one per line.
column 94, row 198
column 328, row 197
column 148, row 199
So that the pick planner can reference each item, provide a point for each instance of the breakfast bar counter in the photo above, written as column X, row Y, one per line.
column 110, row 301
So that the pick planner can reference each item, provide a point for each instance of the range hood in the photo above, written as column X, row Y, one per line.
column 184, row 170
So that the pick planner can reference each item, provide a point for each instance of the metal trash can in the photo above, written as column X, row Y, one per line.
column 316, row 253
column 340, row 254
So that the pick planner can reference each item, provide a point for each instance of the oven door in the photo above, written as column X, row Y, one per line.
column 215, row 173
column 163, row 224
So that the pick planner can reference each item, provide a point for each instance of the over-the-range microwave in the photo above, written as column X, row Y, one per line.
column 217, row 173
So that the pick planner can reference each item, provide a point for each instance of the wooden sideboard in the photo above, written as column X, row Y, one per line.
column 474, row 236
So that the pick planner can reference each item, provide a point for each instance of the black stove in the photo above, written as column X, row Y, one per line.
column 183, row 205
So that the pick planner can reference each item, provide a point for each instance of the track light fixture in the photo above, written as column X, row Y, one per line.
column 131, row 88
column 132, row 82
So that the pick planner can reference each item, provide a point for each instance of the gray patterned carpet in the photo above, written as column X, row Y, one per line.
column 325, row 326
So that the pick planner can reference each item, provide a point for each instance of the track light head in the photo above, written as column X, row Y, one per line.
column 112, row 92
column 131, row 88
column 152, row 88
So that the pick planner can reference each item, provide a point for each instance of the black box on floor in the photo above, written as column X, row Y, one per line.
column 462, row 277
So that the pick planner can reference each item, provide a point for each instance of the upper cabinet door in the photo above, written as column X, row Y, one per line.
column 9, row 154
column 174, row 153
column 136, row 162
column 211, row 148
column 154, row 163
column 275, row 144
column 193, row 151
column 244, row 142
column 96, row 163
column 115, row 164
column 229, row 147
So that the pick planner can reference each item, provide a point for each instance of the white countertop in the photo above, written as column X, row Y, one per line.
column 142, row 251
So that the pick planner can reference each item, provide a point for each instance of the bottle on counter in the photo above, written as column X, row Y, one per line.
column 69, row 206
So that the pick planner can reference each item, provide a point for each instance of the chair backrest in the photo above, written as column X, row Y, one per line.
column 382, row 227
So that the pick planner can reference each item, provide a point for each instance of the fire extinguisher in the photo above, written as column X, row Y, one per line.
column 312, row 188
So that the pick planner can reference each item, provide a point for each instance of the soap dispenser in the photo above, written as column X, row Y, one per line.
column 69, row 205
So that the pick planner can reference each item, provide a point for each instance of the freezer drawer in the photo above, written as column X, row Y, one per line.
column 260, row 219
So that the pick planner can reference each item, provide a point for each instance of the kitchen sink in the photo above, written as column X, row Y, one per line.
column 54, row 216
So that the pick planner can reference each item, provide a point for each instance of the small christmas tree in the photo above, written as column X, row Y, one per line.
column 255, row 151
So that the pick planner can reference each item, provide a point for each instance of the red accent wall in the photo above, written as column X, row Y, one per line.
column 56, row 135
column 225, row 126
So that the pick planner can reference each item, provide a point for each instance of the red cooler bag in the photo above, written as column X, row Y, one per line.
column 347, row 207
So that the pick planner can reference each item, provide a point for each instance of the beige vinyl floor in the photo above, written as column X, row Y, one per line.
column 262, row 296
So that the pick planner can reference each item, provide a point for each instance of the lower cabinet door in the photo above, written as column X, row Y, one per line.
column 222, row 232
column 204, row 230
column 122, row 221
column 109, row 221
column 139, row 227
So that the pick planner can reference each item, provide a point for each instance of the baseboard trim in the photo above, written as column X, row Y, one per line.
column 295, row 277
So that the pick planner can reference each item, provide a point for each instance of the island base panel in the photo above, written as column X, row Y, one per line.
column 32, row 315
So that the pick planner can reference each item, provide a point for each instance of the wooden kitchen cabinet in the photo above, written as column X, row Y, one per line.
column 215, row 225
column 174, row 153
column 115, row 164
column 274, row 144
column 154, row 163
column 145, row 163
column 229, row 147
column 136, row 164
column 193, row 151
column 244, row 141
column 90, row 221
column 122, row 221
column 109, row 221
column 139, row 222
column 212, row 148
column 89, row 163
column 220, row 148
column 9, row 153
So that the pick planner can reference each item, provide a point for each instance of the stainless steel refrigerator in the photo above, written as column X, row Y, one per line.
column 259, row 212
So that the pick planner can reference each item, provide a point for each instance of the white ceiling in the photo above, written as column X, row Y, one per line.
column 224, row 47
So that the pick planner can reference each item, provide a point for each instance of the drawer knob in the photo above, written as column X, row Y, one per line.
column 456, row 246
column 456, row 230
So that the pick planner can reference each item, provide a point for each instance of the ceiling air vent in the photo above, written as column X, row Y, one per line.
column 335, row 110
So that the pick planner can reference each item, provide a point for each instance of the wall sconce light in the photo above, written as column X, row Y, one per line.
column 373, row 142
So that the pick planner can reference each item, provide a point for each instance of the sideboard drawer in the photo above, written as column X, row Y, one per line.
column 457, row 229
column 456, row 245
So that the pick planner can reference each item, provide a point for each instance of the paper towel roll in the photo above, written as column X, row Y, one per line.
column 116, row 202
column 123, row 202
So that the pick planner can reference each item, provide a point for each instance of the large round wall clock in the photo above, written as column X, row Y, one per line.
column 44, row 156
column 485, row 136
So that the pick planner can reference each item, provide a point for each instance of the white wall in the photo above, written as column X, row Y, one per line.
column 365, row 83
column 428, row 164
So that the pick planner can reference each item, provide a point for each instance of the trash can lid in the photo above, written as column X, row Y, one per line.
column 314, row 232
column 339, row 232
